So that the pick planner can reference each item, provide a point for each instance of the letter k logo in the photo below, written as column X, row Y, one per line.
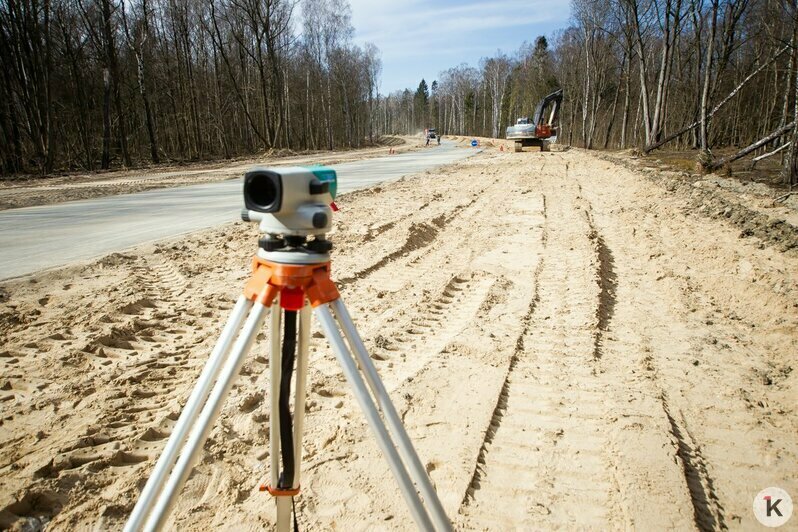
column 772, row 506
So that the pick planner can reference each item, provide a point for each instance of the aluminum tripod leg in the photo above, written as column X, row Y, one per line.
column 188, row 416
column 276, row 363
column 284, row 506
column 394, row 422
column 206, row 418
column 366, row 403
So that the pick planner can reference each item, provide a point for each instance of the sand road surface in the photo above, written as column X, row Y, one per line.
column 568, row 343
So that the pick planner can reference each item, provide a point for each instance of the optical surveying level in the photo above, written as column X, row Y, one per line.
column 290, row 276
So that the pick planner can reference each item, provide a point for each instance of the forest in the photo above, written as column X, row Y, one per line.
column 690, row 74
column 98, row 84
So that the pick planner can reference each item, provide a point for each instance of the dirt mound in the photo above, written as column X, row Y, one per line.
column 706, row 197
column 391, row 140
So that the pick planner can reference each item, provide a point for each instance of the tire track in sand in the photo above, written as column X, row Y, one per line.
column 544, row 458
column 464, row 323
column 699, row 313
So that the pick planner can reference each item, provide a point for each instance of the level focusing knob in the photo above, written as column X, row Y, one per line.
column 319, row 187
column 320, row 220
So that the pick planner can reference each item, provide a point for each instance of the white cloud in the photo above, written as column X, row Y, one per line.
column 444, row 33
column 397, row 21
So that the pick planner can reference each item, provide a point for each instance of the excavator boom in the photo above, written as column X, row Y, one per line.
column 555, row 98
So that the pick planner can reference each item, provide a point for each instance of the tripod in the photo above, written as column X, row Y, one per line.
column 284, row 282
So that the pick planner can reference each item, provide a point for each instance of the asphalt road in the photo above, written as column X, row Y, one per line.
column 38, row 238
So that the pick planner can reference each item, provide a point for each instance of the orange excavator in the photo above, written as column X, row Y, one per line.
column 538, row 131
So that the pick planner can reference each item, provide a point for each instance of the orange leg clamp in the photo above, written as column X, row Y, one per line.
column 270, row 278
column 277, row 492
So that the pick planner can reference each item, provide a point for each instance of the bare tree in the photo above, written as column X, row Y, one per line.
column 137, row 46
column 496, row 71
column 101, row 83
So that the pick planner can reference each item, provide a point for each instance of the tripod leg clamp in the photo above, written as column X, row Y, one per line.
column 277, row 492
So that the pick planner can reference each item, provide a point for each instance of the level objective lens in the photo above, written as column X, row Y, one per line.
column 262, row 191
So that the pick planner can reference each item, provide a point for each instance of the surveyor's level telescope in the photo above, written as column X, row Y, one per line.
column 290, row 275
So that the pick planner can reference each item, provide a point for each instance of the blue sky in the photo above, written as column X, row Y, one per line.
column 420, row 38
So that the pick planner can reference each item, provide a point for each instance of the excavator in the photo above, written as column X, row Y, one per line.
column 537, row 131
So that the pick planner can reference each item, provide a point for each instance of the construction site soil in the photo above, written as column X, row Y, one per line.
column 572, row 343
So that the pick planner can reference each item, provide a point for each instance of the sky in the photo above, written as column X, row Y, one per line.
column 420, row 38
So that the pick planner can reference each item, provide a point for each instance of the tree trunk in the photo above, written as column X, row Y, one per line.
column 643, row 68
column 707, row 77
column 328, row 113
column 586, row 94
column 105, row 163
column 217, row 102
column 791, row 172
column 611, row 119
column 626, row 99
column 137, row 48
column 756, row 145
column 113, row 69
column 668, row 43
column 231, row 75
column 83, row 126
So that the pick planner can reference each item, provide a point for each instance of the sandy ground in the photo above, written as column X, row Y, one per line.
column 44, row 191
column 570, row 344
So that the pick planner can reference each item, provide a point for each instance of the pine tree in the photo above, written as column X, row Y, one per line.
column 421, row 104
